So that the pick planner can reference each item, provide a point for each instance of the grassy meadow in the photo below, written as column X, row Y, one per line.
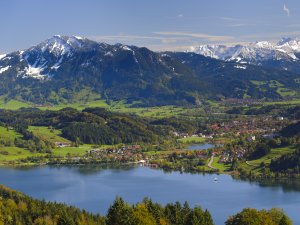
column 47, row 134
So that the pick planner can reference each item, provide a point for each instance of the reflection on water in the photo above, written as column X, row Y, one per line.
column 94, row 187
column 287, row 185
column 91, row 169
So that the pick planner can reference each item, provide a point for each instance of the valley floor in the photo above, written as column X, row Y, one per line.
column 233, row 136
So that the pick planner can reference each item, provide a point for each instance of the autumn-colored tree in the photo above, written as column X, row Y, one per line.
column 254, row 217
column 142, row 216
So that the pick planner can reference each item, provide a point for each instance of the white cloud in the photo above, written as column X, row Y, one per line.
column 286, row 9
column 195, row 35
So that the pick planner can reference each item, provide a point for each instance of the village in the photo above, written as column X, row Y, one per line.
column 220, row 134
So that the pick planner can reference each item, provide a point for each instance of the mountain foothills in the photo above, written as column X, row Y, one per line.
column 68, row 69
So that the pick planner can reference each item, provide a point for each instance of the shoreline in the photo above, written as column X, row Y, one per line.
column 233, row 174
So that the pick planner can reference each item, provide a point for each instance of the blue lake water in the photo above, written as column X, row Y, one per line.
column 203, row 146
column 94, row 189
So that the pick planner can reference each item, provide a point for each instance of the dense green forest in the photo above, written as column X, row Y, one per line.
column 92, row 126
column 291, row 130
column 289, row 163
column 19, row 209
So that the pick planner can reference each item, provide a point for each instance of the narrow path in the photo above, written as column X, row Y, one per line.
column 210, row 162
column 249, row 164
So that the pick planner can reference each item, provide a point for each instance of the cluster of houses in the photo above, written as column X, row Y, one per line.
column 186, row 135
column 128, row 151
column 62, row 144
column 266, row 126
column 228, row 157
column 241, row 102
column 263, row 126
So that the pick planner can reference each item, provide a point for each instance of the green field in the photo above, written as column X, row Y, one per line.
column 15, row 153
column 295, row 102
column 71, row 151
column 275, row 153
column 8, row 152
column 8, row 134
column 274, row 84
column 117, row 106
column 258, row 83
column 188, row 140
column 12, row 104
column 220, row 166
column 46, row 134
column 53, row 135
column 284, row 92
column 255, row 165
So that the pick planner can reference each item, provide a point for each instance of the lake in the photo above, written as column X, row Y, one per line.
column 94, row 188
column 203, row 146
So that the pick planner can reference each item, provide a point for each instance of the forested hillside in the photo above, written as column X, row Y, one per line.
column 289, row 163
column 91, row 126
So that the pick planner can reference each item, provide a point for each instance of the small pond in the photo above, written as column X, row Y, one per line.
column 202, row 146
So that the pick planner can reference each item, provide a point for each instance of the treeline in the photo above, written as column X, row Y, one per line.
column 275, row 110
column 187, row 161
column 182, row 125
column 95, row 125
column 263, row 217
column 25, row 139
column 261, row 146
column 289, row 163
column 291, row 130
column 17, row 208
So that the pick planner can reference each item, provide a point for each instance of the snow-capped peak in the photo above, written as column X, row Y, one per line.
column 213, row 51
column 2, row 56
column 254, row 52
column 264, row 44
column 292, row 44
column 58, row 45
column 42, row 59
column 284, row 40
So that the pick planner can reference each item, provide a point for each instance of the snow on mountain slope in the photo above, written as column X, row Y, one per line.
column 253, row 53
column 50, row 57
column 3, row 69
column 43, row 60
column 2, row 56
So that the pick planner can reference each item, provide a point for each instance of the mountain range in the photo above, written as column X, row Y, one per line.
column 284, row 54
column 70, row 68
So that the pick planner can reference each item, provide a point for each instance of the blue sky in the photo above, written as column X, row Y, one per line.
column 156, row 24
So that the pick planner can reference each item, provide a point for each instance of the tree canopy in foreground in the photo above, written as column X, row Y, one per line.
column 19, row 209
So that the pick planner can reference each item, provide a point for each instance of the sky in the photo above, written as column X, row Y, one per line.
column 156, row 24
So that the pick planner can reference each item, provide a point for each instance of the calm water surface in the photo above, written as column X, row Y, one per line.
column 94, row 189
column 203, row 146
